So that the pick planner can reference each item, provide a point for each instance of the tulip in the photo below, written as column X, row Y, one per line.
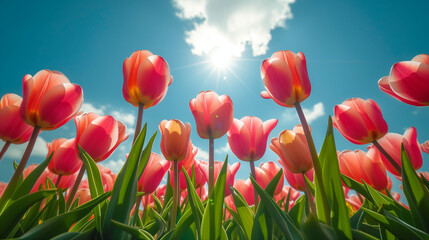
column 200, row 178
column 292, row 148
column 153, row 173
column 12, row 128
column 40, row 181
column 64, row 159
column 62, row 182
column 360, row 121
column 84, row 195
column 213, row 114
column 285, row 78
column 354, row 201
column 174, row 146
column 231, row 170
column 3, row 186
column 392, row 143
column 189, row 160
column 362, row 166
column 287, row 191
column 245, row 187
column 296, row 180
column 266, row 172
column 425, row 147
column 408, row 81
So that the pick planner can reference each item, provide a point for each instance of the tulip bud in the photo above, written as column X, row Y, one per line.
column 64, row 160
column 12, row 128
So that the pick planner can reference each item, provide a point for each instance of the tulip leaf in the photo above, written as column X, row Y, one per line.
column 333, row 187
column 183, row 224
column 212, row 230
column 140, row 234
column 87, row 235
column 359, row 235
column 62, row 223
column 16, row 210
column 396, row 226
column 159, row 220
column 244, row 213
column 78, row 226
column 357, row 186
column 168, row 191
column 195, row 202
column 285, row 224
column 313, row 229
column 416, row 193
column 125, row 190
column 95, row 184
column 297, row 211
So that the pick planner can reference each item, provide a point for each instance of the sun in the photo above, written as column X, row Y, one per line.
column 220, row 60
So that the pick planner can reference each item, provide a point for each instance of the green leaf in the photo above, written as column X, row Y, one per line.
column 244, row 213
column 195, row 202
column 87, row 235
column 416, row 193
column 95, row 184
column 62, row 223
column 215, row 206
column 399, row 228
column 61, row 202
column 135, row 232
column 296, row 213
column 359, row 235
column 158, row 218
column 183, row 224
column 283, row 221
column 125, row 190
column 16, row 209
column 32, row 217
column 81, row 223
column 333, row 187
column 313, row 229
column 358, row 187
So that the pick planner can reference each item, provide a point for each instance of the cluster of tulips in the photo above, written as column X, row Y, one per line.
column 52, row 200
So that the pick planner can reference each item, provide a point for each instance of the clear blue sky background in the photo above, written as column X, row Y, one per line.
column 349, row 46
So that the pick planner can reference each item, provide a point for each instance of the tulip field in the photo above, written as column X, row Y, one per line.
column 308, row 194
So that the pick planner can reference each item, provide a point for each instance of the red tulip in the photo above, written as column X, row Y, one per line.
column 292, row 148
column 362, row 166
column 99, row 136
column 409, row 81
column 266, row 172
column 360, row 121
column 153, row 174
column 296, row 180
column 175, row 139
column 392, row 142
column 64, row 161
column 146, row 79
column 425, row 146
column 66, row 181
column 285, row 78
column 12, row 128
column 248, row 136
column 231, row 170
column 213, row 114
column 49, row 99
column 108, row 179
column 245, row 187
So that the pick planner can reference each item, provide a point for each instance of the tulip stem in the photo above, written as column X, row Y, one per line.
column 252, row 169
column 75, row 186
column 19, row 170
column 139, row 122
column 387, row 156
column 211, row 165
column 309, row 197
column 316, row 163
column 58, row 181
column 4, row 149
column 136, row 209
column 175, row 194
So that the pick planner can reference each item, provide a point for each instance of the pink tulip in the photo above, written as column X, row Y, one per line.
column 245, row 187
column 200, row 178
column 425, row 175
column 360, row 121
column 49, row 99
column 12, row 128
column 231, row 170
column 392, row 142
column 146, row 79
column 292, row 148
column 153, row 174
column 425, row 147
column 409, row 81
column 354, row 201
column 3, row 186
column 285, row 78
column 189, row 160
column 296, row 180
column 64, row 160
column 40, row 181
column 362, row 166
column 266, row 172
column 84, row 195
column 213, row 114
column 293, row 196
column 175, row 139
column 201, row 192
column 108, row 179
column 98, row 135
column 66, row 181
column 248, row 136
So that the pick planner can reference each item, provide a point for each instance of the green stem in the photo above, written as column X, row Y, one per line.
column 387, row 156
column 75, row 186
column 175, row 194
column 4, row 149
column 211, row 185
column 19, row 170
column 316, row 163
column 309, row 197
column 252, row 169
column 136, row 209
column 139, row 122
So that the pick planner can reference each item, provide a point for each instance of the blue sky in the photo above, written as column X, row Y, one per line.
column 349, row 46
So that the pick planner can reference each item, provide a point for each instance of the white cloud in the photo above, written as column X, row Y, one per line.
column 223, row 149
column 114, row 165
column 228, row 26
column 316, row 112
column 88, row 107
column 202, row 155
column 16, row 151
